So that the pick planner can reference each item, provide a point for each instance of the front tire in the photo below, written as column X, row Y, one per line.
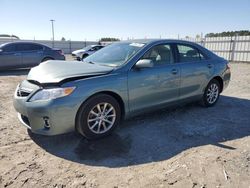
column 211, row 94
column 98, row 116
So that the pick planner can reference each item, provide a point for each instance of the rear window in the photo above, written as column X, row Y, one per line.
column 189, row 54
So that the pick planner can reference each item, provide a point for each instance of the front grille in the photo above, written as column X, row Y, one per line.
column 23, row 92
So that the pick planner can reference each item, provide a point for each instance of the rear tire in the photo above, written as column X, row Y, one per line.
column 98, row 116
column 211, row 94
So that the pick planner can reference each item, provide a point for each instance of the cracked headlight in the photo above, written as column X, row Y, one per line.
column 48, row 94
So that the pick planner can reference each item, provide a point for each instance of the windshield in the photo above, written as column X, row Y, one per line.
column 115, row 54
column 87, row 48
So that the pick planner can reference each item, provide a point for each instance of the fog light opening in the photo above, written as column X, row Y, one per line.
column 46, row 122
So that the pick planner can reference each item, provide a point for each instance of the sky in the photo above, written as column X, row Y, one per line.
column 94, row 19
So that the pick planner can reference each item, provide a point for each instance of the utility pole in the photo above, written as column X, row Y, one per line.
column 53, row 35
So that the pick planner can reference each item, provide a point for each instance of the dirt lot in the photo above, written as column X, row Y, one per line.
column 187, row 146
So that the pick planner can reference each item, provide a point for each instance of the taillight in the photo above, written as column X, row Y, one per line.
column 61, row 52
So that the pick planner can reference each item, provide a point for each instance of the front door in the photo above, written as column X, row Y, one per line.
column 157, row 85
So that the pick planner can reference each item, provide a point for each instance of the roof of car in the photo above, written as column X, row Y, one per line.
column 157, row 41
column 23, row 42
column 148, row 41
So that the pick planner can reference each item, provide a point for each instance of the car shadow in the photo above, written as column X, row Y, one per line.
column 16, row 72
column 156, row 136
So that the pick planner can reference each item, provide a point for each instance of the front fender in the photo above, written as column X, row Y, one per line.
column 87, row 87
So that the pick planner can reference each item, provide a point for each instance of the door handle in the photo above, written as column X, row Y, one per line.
column 209, row 66
column 17, row 53
column 174, row 71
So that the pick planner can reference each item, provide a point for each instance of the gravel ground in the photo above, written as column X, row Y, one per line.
column 187, row 146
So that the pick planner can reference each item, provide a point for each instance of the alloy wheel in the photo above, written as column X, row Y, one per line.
column 101, row 118
column 212, row 93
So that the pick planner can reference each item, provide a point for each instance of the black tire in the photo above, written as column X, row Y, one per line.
column 83, row 114
column 205, row 99
column 84, row 56
column 47, row 59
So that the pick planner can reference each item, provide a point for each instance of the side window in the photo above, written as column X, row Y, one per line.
column 9, row 48
column 99, row 47
column 92, row 49
column 160, row 55
column 22, row 47
column 202, row 57
column 36, row 47
column 28, row 47
column 189, row 54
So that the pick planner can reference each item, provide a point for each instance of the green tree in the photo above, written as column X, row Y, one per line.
column 108, row 39
column 229, row 33
column 197, row 36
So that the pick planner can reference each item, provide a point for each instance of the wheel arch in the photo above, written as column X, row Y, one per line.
column 220, row 80
column 47, row 57
column 111, row 93
column 118, row 98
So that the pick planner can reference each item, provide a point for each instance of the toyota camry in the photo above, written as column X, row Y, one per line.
column 119, row 81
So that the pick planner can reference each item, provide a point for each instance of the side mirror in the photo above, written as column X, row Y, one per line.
column 144, row 63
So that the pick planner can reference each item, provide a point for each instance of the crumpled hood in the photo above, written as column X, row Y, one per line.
column 55, row 71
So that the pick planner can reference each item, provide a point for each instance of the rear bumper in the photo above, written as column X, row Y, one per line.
column 226, row 78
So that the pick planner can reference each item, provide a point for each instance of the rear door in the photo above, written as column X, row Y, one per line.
column 31, row 54
column 155, row 86
column 196, row 70
column 9, row 57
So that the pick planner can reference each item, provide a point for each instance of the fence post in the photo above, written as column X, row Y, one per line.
column 203, row 42
column 70, row 50
column 233, row 47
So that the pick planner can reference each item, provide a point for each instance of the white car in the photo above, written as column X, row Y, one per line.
column 86, row 51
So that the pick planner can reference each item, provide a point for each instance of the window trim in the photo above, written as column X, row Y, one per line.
column 194, row 47
column 162, row 44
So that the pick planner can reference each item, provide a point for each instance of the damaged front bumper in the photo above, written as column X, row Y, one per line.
column 49, row 117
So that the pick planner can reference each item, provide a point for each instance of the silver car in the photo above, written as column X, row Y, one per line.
column 86, row 51
column 26, row 54
column 117, row 82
